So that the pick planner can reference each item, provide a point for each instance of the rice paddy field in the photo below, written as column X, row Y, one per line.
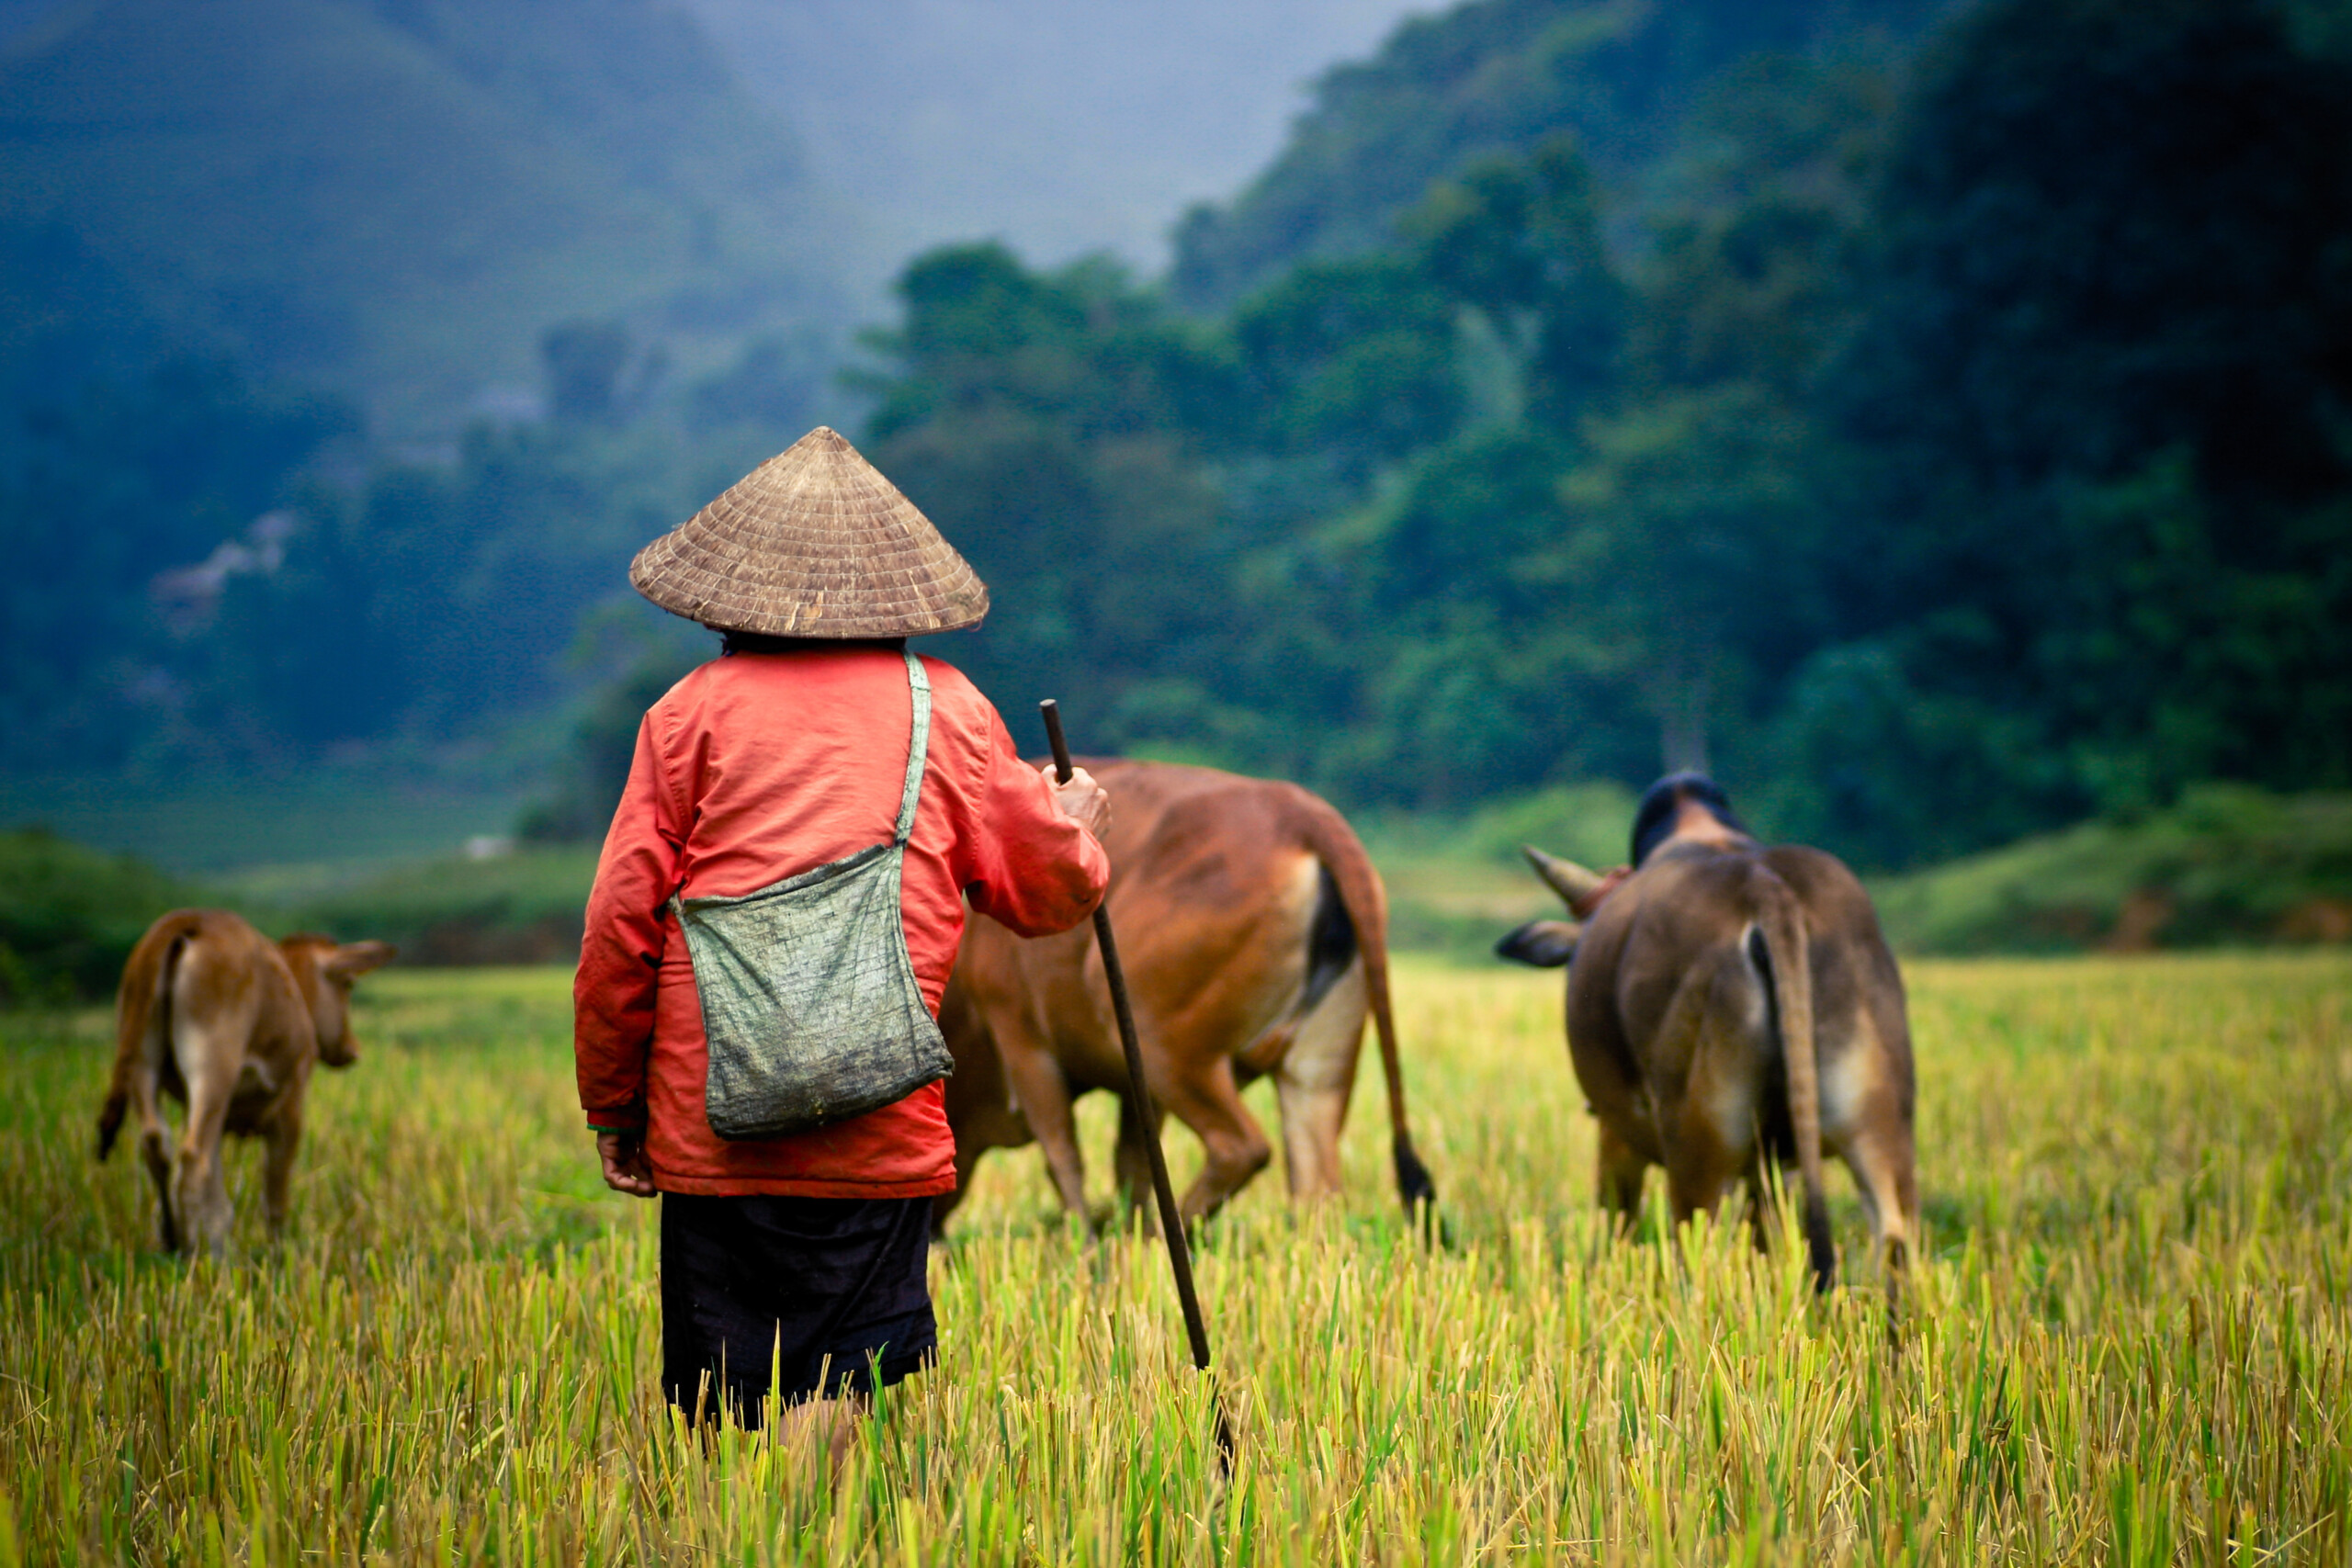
column 2127, row 1339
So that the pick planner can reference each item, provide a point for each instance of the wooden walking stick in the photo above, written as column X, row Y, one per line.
column 1171, row 1224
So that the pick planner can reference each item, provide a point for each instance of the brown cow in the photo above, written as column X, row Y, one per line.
column 218, row 1016
column 1730, row 1005
column 1253, row 931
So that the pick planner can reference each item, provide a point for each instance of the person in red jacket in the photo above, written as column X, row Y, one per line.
column 794, row 1263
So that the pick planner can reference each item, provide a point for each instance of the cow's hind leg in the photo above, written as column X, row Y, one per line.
column 145, row 1084
column 1709, row 1146
column 284, row 1135
column 1762, row 1210
column 200, row 1191
column 969, row 1151
column 155, row 1154
column 1210, row 1104
column 1621, row 1170
column 998, row 1127
column 1043, row 1091
column 1710, row 1122
column 944, row 1205
column 1882, row 1164
column 1313, row 1082
column 1133, row 1162
column 1699, row 1170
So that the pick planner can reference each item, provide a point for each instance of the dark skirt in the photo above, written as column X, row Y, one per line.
column 810, row 1294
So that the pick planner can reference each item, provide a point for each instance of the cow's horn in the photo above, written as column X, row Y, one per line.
column 1572, row 882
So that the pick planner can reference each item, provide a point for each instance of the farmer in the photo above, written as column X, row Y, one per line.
column 775, row 912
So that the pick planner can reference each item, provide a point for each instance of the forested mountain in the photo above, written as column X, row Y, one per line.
column 1955, row 447
column 393, row 199
column 348, row 347
column 1930, row 418
column 1494, row 77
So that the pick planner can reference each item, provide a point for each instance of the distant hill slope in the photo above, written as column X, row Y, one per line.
column 1490, row 76
column 2228, row 864
column 396, row 198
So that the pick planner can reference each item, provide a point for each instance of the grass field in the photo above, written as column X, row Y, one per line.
column 2127, row 1341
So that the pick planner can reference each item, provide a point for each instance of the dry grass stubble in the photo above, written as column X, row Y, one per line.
column 2127, row 1342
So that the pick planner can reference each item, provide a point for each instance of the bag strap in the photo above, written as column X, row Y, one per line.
column 918, row 748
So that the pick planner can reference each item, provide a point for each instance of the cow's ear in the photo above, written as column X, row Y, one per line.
column 1546, row 944
column 345, row 962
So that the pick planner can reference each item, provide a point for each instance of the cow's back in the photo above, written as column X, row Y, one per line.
column 1207, row 869
column 1690, row 912
column 237, row 1014
column 1252, row 926
column 1212, row 880
column 1687, row 907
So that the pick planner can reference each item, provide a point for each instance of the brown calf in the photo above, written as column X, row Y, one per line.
column 218, row 1016
column 1254, row 935
column 1731, row 1006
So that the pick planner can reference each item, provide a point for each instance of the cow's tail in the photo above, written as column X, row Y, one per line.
column 141, row 1009
column 1780, row 917
column 1343, row 855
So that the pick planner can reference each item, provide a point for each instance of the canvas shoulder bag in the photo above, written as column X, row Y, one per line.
column 809, row 998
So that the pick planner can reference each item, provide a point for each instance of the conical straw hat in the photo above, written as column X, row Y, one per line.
column 815, row 543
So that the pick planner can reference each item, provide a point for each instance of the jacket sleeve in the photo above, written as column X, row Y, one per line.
column 620, row 953
column 1034, row 871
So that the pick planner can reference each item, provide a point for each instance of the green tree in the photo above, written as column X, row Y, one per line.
column 1938, row 456
column 1052, row 424
column 2104, row 336
column 1489, row 78
column 1353, row 360
column 1519, row 240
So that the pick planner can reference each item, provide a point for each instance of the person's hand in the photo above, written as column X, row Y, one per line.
column 1081, row 800
column 625, row 1167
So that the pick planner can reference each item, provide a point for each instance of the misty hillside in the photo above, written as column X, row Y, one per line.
column 396, row 198
column 1937, row 445
column 1060, row 125
column 1924, row 416
column 1495, row 76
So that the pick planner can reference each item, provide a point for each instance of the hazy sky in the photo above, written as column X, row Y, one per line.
column 1062, row 126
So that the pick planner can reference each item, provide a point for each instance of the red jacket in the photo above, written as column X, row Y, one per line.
column 753, row 768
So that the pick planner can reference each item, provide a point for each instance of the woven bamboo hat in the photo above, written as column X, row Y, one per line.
column 814, row 542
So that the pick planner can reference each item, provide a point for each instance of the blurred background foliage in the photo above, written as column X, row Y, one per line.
column 1942, row 443
column 69, row 917
column 1930, row 417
